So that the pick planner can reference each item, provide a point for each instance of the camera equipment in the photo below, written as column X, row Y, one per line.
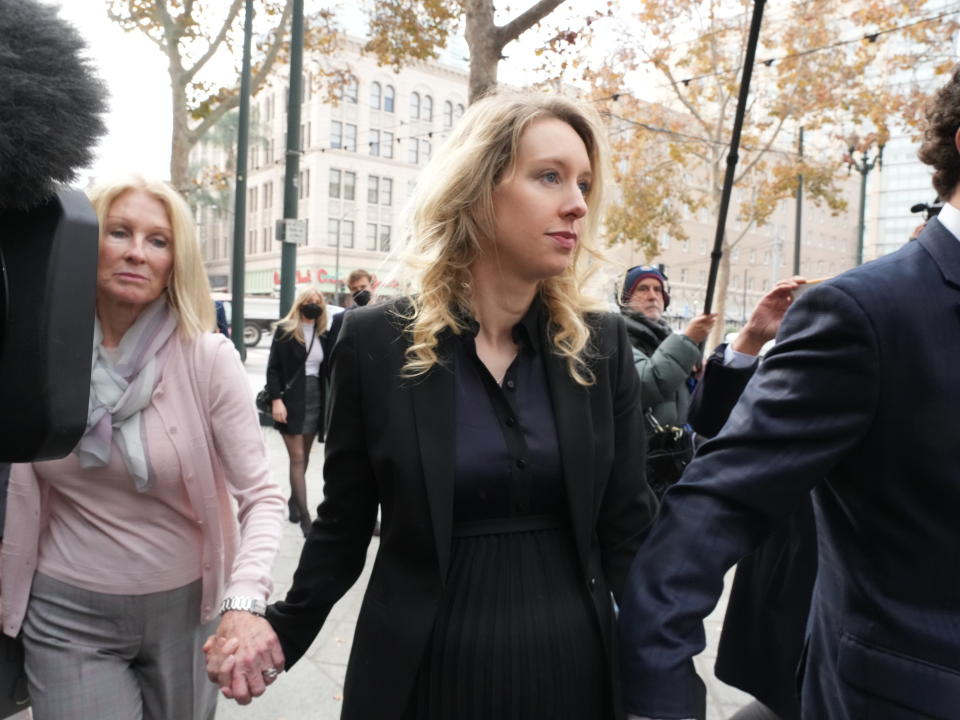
column 50, row 107
column 931, row 210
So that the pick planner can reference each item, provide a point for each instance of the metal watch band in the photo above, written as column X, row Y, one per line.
column 244, row 603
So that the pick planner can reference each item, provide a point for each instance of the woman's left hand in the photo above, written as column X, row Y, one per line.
column 244, row 656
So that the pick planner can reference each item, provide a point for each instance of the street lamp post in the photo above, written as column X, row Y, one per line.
column 864, row 166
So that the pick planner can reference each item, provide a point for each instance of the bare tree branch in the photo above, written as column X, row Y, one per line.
column 216, row 42
column 525, row 20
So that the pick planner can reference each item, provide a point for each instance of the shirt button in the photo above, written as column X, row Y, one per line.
column 521, row 463
column 511, row 421
column 510, row 384
column 593, row 583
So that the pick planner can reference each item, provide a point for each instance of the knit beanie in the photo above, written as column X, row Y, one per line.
column 638, row 273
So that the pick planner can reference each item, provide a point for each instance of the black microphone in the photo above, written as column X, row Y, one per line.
column 51, row 104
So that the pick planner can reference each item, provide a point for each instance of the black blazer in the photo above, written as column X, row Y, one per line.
column 765, row 624
column 287, row 357
column 391, row 442
column 859, row 397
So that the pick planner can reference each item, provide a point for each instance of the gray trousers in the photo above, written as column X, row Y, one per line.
column 93, row 656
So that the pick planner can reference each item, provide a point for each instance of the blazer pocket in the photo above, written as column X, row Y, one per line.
column 898, row 686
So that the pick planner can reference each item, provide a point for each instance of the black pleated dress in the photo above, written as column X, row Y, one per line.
column 517, row 636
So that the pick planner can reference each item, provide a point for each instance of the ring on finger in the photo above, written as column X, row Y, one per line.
column 270, row 674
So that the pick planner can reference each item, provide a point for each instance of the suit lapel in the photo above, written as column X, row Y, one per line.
column 944, row 248
column 571, row 412
column 434, row 411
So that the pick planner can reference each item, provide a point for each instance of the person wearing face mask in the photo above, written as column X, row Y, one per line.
column 295, row 381
column 359, row 282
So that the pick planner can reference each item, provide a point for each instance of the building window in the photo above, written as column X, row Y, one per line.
column 252, row 199
column 376, row 95
column 348, row 91
column 374, row 142
column 334, row 183
column 305, row 136
column 350, row 137
column 371, row 236
column 425, row 150
column 414, row 106
column 303, row 184
column 336, row 134
column 413, row 151
column 386, row 147
column 389, row 96
column 349, row 185
column 459, row 113
column 266, row 195
column 333, row 232
column 346, row 233
column 379, row 190
column 384, row 238
column 447, row 114
column 426, row 108
column 265, row 241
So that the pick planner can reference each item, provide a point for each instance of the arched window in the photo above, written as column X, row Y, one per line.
column 389, row 94
column 459, row 111
column 414, row 106
column 447, row 114
column 426, row 108
column 375, row 94
column 351, row 92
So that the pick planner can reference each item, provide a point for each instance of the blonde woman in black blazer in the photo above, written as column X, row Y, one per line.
column 296, row 381
column 496, row 421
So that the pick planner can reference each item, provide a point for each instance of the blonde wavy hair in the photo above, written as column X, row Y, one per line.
column 289, row 324
column 452, row 217
column 188, row 292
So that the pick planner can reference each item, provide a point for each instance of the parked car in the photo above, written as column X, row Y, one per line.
column 259, row 314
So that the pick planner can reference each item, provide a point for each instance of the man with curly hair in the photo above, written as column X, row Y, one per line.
column 859, row 401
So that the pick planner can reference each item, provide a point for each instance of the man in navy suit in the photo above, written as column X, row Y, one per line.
column 859, row 399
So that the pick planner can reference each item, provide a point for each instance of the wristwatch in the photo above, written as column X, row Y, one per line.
column 244, row 603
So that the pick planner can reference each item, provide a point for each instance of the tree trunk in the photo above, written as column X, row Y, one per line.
column 181, row 140
column 485, row 45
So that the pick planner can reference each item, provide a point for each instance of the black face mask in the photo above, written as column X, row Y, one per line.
column 361, row 297
column 311, row 311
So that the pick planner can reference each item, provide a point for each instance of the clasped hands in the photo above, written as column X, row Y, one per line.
column 244, row 656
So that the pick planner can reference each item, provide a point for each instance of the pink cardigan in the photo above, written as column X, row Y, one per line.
column 203, row 401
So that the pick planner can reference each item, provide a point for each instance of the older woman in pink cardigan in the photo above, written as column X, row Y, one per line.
column 119, row 558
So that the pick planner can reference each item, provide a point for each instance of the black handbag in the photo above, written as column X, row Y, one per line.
column 263, row 400
column 14, row 696
column 669, row 450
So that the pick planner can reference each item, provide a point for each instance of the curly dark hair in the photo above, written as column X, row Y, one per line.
column 939, row 147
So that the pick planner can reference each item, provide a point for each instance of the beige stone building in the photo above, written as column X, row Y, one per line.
column 360, row 161
column 759, row 259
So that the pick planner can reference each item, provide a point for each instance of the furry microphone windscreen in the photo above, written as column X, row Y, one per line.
column 50, row 103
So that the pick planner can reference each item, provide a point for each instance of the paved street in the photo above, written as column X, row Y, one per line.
column 313, row 688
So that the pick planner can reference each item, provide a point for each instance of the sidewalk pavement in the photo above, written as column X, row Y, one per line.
column 313, row 688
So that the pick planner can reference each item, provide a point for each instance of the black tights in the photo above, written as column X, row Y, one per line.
column 298, row 448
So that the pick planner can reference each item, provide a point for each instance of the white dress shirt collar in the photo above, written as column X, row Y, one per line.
column 950, row 218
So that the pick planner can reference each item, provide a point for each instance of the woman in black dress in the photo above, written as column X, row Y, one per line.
column 295, row 381
column 494, row 417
